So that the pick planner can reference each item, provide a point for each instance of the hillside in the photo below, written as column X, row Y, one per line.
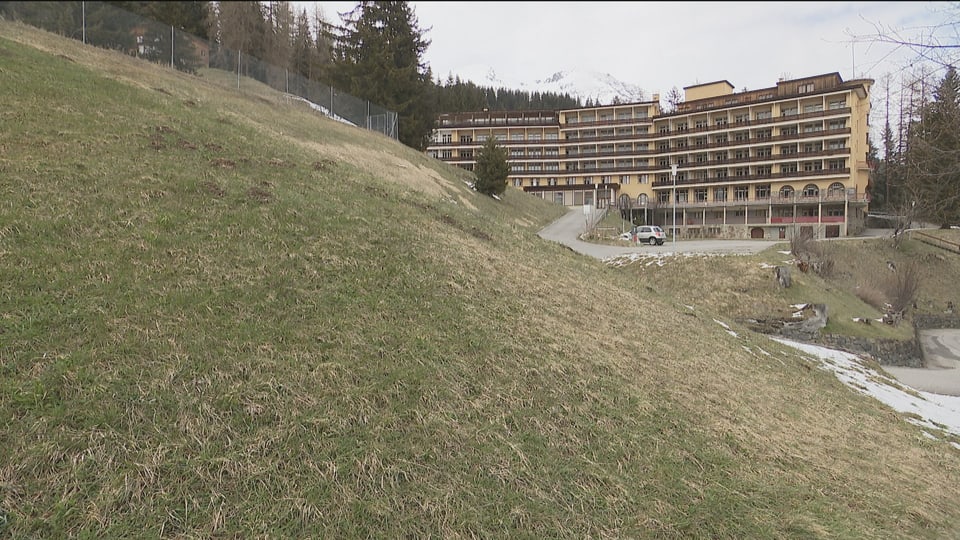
column 224, row 315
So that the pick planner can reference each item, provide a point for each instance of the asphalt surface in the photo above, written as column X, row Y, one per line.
column 941, row 348
column 567, row 231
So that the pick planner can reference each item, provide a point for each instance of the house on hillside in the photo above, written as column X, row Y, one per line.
column 770, row 163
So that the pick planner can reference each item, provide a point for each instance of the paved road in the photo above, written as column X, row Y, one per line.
column 941, row 354
column 941, row 348
column 568, row 229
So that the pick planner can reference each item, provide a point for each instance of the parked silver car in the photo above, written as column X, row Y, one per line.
column 648, row 234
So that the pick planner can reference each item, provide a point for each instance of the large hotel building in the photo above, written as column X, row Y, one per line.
column 769, row 163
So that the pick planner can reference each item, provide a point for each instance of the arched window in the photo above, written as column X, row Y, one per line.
column 786, row 192
column 835, row 189
column 811, row 190
column 642, row 199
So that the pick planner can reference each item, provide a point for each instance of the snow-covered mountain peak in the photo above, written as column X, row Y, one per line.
column 585, row 84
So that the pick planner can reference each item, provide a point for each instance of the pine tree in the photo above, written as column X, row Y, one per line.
column 378, row 56
column 933, row 156
column 492, row 169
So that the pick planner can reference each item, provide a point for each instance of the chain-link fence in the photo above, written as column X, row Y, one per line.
column 103, row 25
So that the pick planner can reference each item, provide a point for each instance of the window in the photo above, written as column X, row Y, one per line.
column 764, row 152
column 837, row 124
column 700, row 158
column 446, row 138
column 762, row 191
column 837, row 145
column 741, row 153
column 836, row 164
column 624, row 179
column 764, row 171
column 764, row 115
column 482, row 138
column 816, row 107
column 788, row 130
column 788, row 168
column 682, row 126
column 720, row 194
column 741, row 136
column 741, row 171
column 812, row 166
column 721, row 173
column 788, row 149
column 663, row 196
column 642, row 199
column 720, row 122
column 835, row 189
column 811, row 190
column 837, row 104
column 788, row 111
column 741, row 118
column 804, row 88
column 446, row 154
column 786, row 192
column 517, row 182
column 700, row 141
column 700, row 194
column 700, row 124
column 681, row 195
column 764, row 133
column 741, row 193
column 812, row 128
column 720, row 139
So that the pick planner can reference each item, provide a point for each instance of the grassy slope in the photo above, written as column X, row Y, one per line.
column 204, row 333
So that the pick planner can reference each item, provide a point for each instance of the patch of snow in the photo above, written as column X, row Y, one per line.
column 933, row 411
column 321, row 109
column 729, row 331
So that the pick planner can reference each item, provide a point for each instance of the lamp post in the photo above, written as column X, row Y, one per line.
column 673, row 172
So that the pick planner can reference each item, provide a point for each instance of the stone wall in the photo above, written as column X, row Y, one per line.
column 887, row 352
column 926, row 322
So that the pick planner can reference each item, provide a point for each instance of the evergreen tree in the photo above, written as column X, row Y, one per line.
column 492, row 169
column 378, row 56
column 933, row 155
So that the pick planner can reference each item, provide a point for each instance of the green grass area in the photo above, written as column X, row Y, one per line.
column 223, row 315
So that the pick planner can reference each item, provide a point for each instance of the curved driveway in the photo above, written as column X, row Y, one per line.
column 567, row 231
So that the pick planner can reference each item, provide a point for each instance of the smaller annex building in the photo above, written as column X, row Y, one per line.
column 771, row 163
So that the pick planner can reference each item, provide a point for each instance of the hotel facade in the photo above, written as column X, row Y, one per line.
column 770, row 163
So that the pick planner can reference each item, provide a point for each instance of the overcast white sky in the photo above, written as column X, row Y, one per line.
column 661, row 45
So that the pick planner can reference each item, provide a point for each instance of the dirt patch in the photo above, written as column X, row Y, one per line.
column 165, row 129
column 323, row 164
column 260, row 193
column 213, row 146
column 186, row 145
column 223, row 163
column 212, row 188
column 191, row 103
column 280, row 163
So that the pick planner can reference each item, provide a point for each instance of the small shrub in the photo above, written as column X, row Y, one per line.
column 872, row 295
column 902, row 287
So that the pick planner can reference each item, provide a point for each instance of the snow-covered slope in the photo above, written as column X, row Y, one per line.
column 585, row 84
